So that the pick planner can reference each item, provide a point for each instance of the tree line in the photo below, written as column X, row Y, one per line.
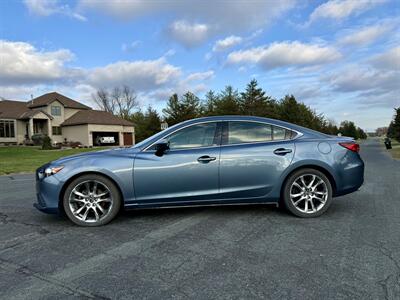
column 393, row 131
column 253, row 101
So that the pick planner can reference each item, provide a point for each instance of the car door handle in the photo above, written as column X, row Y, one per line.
column 282, row 151
column 206, row 159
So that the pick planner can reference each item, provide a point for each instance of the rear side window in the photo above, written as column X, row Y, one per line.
column 248, row 132
column 252, row 132
column 280, row 133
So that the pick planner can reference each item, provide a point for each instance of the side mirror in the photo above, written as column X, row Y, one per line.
column 162, row 147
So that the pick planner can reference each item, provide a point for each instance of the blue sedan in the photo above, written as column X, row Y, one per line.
column 206, row 161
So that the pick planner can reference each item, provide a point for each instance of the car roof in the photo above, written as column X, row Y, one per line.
column 301, row 129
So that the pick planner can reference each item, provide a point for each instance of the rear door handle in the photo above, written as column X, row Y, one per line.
column 206, row 159
column 282, row 151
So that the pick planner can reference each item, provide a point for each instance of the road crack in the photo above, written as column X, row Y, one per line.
column 26, row 271
column 5, row 219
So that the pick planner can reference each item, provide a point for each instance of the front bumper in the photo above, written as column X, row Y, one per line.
column 47, row 193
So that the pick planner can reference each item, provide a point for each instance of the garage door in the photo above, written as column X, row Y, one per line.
column 128, row 139
column 105, row 138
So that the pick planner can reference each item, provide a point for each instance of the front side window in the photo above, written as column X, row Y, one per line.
column 196, row 136
column 7, row 129
column 249, row 132
column 55, row 110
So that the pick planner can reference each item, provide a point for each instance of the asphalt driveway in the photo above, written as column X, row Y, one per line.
column 243, row 252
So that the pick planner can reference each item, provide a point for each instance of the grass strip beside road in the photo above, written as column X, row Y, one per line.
column 28, row 159
column 395, row 151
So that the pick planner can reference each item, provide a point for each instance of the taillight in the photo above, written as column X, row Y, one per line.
column 351, row 146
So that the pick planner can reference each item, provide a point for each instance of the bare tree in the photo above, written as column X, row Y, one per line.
column 120, row 101
column 104, row 101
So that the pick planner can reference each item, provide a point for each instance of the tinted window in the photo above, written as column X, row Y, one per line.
column 280, row 133
column 247, row 132
column 201, row 135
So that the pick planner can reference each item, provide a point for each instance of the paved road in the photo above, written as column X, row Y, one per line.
column 353, row 251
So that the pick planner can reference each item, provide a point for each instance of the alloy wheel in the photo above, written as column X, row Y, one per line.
column 90, row 201
column 309, row 193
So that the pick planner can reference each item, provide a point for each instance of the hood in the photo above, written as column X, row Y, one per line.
column 106, row 152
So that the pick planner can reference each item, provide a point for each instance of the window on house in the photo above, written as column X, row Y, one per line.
column 7, row 129
column 56, row 130
column 55, row 110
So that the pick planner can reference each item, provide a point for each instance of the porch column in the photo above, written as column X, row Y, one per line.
column 30, row 128
column 49, row 131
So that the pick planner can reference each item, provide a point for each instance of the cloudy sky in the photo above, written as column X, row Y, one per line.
column 341, row 57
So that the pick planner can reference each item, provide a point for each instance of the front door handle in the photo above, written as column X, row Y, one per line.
column 282, row 151
column 206, row 159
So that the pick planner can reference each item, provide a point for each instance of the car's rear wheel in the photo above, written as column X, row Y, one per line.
column 307, row 193
column 91, row 200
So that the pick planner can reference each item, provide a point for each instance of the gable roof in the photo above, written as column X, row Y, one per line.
column 12, row 109
column 46, row 99
column 95, row 117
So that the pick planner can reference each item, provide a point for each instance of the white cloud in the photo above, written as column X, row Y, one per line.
column 218, row 16
column 365, row 36
column 129, row 47
column 285, row 54
column 226, row 43
column 340, row 9
column 189, row 34
column 200, row 76
column 389, row 60
column 141, row 74
column 357, row 78
column 46, row 8
column 22, row 63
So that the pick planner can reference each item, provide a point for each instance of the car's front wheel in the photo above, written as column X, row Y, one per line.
column 91, row 200
column 307, row 193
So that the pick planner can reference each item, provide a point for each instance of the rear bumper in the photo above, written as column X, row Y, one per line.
column 351, row 178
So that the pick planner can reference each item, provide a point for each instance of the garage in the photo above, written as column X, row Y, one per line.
column 128, row 138
column 102, row 138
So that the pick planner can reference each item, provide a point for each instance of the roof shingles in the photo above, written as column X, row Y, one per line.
column 95, row 117
column 46, row 99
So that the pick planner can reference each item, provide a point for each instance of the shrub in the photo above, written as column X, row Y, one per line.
column 46, row 144
column 37, row 139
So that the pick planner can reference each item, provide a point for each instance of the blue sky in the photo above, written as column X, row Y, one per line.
column 341, row 57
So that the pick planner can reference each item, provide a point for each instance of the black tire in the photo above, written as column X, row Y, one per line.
column 288, row 201
column 114, row 196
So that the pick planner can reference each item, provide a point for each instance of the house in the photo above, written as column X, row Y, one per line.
column 62, row 119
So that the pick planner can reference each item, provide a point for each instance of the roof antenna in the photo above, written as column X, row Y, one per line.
column 31, row 99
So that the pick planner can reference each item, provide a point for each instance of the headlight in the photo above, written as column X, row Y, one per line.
column 53, row 170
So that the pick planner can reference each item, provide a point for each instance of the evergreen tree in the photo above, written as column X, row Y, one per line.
column 396, row 124
column 146, row 124
column 390, row 130
column 208, row 107
column 227, row 102
column 185, row 108
column 347, row 128
column 254, row 102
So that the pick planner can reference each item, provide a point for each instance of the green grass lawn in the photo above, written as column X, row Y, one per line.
column 28, row 159
column 395, row 151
